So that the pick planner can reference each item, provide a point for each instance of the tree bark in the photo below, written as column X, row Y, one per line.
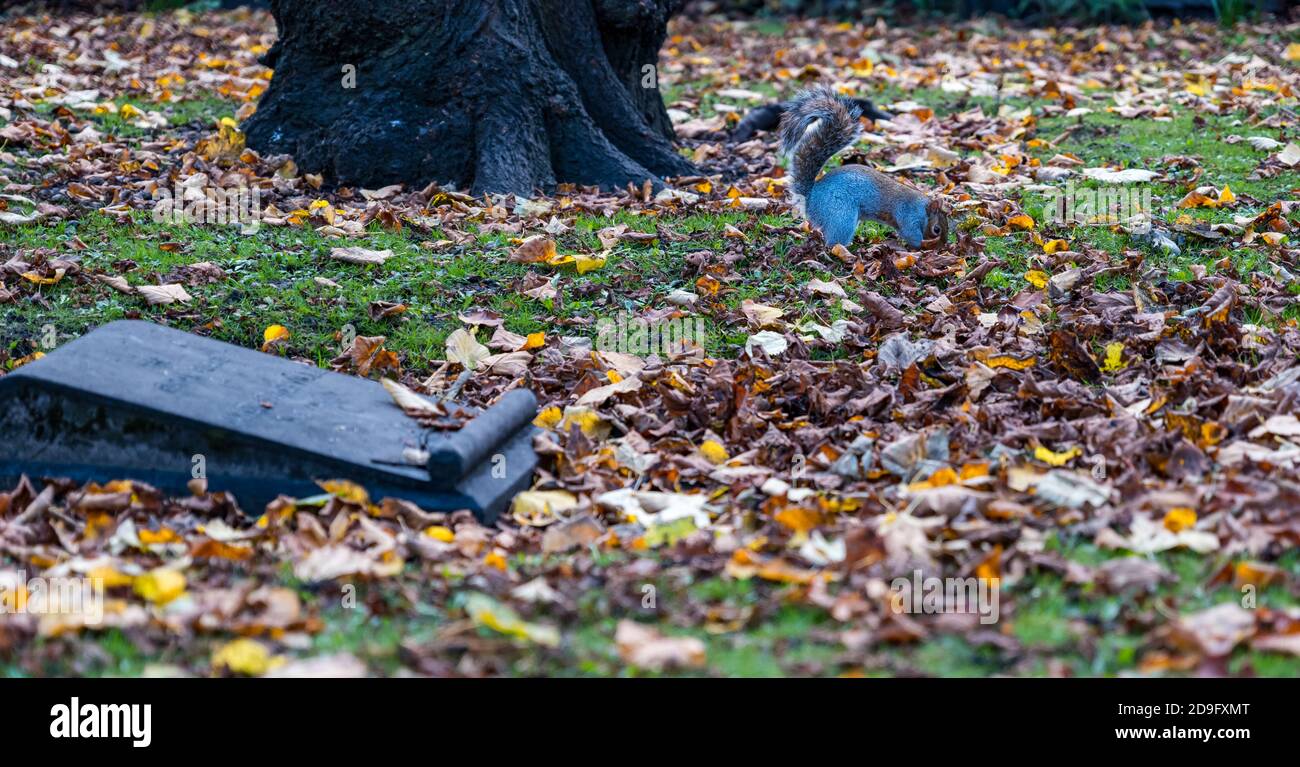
column 493, row 96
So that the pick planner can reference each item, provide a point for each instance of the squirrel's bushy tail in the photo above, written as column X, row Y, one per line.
column 836, row 127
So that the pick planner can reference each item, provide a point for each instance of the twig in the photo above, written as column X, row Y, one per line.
column 456, row 385
column 1064, row 135
column 38, row 505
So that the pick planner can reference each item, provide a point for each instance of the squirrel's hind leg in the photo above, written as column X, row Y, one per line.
column 839, row 227
column 832, row 207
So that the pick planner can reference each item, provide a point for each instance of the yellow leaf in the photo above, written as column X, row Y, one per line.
column 1007, row 361
column 495, row 559
column 1257, row 574
column 1195, row 199
column 941, row 478
column 1056, row 459
column 165, row 535
column 128, row 111
column 704, row 187
column 1292, row 52
column 24, row 360
column 585, row 263
column 1114, row 357
column 160, row 585
column 346, row 491
column 272, row 334
column 485, row 611
column 1022, row 221
column 1053, row 246
column 245, row 656
column 1226, row 197
column 14, row 600
column 39, row 280
column 802, row 521
column 440, row 533
column 1179, row 518
column 669, row 533
column 586, row 419
column 109, row 577
column 1037, row 278
column 989, row 569
column 112, row 486
column 548, row 418
column 714, row 451
column 707, row 286
column 783, row 572
column 535, row 341
column 323, row 209
column 539, row 507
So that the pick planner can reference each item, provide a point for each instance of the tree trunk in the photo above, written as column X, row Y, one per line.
column 492, row 96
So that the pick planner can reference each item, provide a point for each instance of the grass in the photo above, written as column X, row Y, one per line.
column 746, row 627
column 1074, row 628
column 749, row 629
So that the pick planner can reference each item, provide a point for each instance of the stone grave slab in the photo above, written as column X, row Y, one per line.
column 135, row 400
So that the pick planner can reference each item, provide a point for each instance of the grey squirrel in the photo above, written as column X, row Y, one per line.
column 817, row 125
column 768, row 117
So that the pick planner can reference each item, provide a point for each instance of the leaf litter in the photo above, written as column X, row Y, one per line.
column 898, row 411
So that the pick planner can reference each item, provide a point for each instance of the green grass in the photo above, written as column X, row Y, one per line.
column 271, row 279
column 1078, row 626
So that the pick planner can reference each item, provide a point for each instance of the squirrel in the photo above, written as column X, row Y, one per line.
column 768, row 116
column 818, row 124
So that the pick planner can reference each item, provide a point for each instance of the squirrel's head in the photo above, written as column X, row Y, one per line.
column 936, row 224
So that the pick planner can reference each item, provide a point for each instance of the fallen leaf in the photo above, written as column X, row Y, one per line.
column 643, row 647
column 465, row 350
column 272, row 335
column 534, row 249
column 245, row 656
column 161, row 295
column 773, row 344
column 714, row 451
column 485, row 611
column 160, row 585
column 411, row 403
column 358, row 255
column 538, row 508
